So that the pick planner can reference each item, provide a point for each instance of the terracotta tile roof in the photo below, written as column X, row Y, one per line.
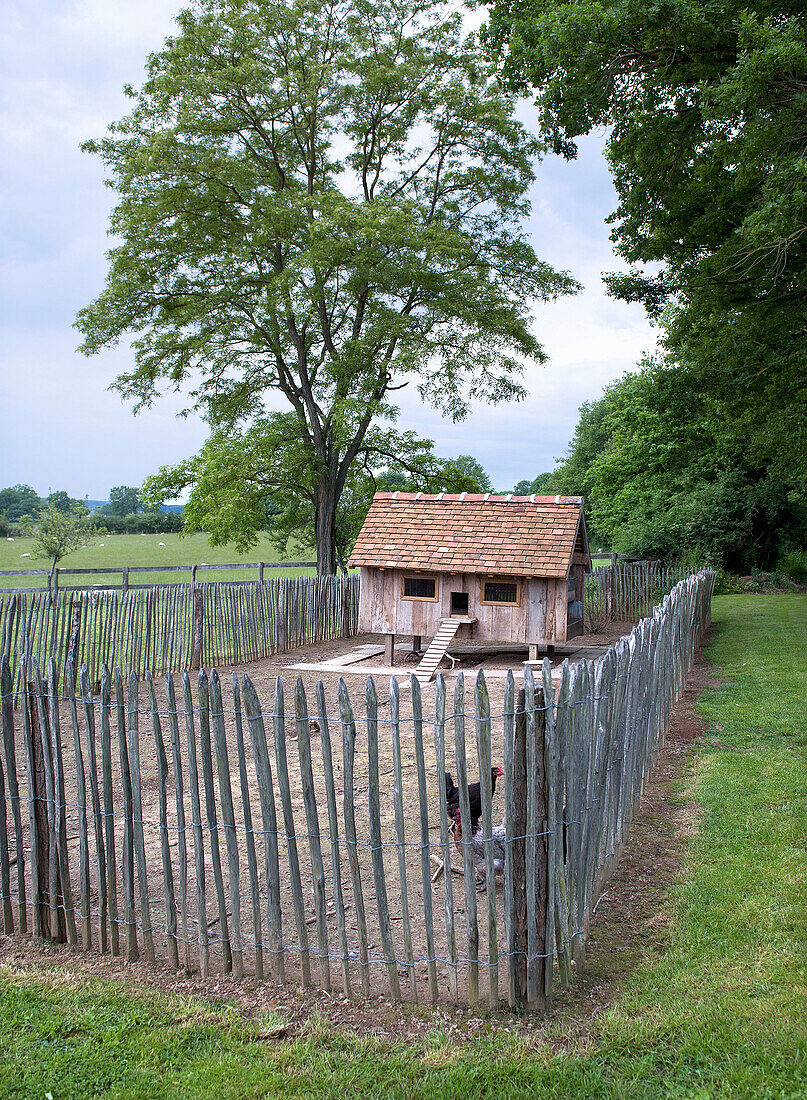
column 469, row 533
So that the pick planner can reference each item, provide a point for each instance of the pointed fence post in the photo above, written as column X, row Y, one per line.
column 9, row 744
column 137, row 822
column 179, row 800
column 212, row 819
column 263, row 771
column 111, row 892
column 228, row 819
column 348, row 758
column 165, row 847
column 469, row 876
column 198, row 835
column 291, row 837
column 312, row 821
column 249, row 832
column 400, row 835
column 376, row 843
column 440, row 753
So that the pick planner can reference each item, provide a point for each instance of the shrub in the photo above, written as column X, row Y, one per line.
column 794, row 565
column 727, row 584
column 150, row 523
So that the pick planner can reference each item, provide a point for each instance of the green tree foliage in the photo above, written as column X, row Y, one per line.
column 18, row 502
column 58, row 533
column 705, row 106
column 541, row 485
column 64, row 503
column 143, row 523
column 466, row 466
column 124, row 500
column 661, row 477
column 323, row 198
column 248, row 481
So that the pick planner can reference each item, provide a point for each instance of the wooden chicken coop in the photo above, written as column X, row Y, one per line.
column 478, row 568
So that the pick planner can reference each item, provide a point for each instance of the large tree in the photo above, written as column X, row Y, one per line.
column 704, row 106
column 244, row 482
column 322, row 201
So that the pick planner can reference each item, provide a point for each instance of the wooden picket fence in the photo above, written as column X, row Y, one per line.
column 337, row 867
column 626, row 591
column 171, row 627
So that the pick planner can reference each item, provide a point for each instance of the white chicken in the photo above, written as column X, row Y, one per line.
column 498, row 833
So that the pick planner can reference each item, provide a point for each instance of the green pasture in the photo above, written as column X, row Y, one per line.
column 719, row 1011
column 108, row 551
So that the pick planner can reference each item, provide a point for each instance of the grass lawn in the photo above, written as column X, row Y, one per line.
column 722, row 1012
column 119, row 550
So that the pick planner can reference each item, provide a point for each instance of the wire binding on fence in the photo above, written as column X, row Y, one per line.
column 578, row 750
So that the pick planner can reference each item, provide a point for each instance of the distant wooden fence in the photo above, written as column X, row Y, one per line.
column 126, row 572
column 173, row 627
column 625, row 591
column 115, row 807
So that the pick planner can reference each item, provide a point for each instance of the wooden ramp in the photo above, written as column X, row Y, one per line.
column 437, row 649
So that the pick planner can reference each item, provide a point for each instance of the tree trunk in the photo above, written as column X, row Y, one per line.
column 326, row 528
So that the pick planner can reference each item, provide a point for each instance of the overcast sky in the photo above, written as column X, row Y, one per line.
column 63, row 64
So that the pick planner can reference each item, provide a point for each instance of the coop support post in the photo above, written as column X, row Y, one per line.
column 533, row 656
column 389, row 649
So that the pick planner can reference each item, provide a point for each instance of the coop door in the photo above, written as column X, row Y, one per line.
column 459, row 603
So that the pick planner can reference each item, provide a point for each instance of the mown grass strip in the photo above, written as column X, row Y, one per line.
column 721, row 1012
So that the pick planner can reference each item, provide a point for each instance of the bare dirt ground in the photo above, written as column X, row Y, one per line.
column 631, row 917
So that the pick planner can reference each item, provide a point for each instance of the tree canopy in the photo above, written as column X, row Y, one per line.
column 705, row 109
column 540, row 485
column 245, row 482
column 18, row 502
column 322, row 201
column 662, row 478
column 124, row 500
column 58, row 533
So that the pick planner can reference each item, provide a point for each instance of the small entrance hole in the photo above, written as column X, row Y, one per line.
column 459, row 603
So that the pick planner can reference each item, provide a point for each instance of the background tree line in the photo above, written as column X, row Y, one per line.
column 705, row 110
column 663, row 476
column 22, row 510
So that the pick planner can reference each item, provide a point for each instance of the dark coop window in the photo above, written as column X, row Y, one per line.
column 500, row 592
column 420, row 588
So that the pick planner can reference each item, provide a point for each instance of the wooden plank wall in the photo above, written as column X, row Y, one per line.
column 354, row 887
